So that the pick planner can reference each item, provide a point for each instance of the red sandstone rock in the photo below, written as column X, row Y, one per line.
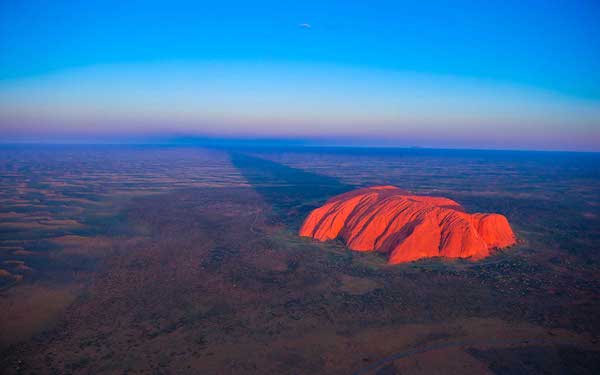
column 407, row 227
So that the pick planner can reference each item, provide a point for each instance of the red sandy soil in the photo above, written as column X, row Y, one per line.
column 407, row 227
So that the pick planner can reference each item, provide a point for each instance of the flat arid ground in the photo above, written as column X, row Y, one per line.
column 159, row 260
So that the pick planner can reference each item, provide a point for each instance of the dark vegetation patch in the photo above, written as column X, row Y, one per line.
column 540, row 360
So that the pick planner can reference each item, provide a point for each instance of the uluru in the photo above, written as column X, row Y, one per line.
column 407, row 227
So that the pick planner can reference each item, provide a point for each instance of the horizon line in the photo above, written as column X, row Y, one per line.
column 280, row 143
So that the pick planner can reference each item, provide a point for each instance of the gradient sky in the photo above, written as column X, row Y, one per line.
column 506, row 74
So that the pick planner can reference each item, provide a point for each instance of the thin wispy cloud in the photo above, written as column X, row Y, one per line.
column 305, row 25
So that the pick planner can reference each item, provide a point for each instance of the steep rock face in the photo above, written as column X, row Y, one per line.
column 407, row 227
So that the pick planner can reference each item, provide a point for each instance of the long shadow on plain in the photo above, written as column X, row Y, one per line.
column 291, row 192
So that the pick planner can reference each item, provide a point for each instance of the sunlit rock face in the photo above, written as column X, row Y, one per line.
column 407, row 227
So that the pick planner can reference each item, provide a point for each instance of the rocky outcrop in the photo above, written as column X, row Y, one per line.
column 407, row 227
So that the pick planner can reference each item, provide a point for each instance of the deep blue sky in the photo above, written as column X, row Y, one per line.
column 544, row 46
column 552, row 44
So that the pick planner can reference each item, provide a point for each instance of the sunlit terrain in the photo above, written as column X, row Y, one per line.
column 153, row 259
